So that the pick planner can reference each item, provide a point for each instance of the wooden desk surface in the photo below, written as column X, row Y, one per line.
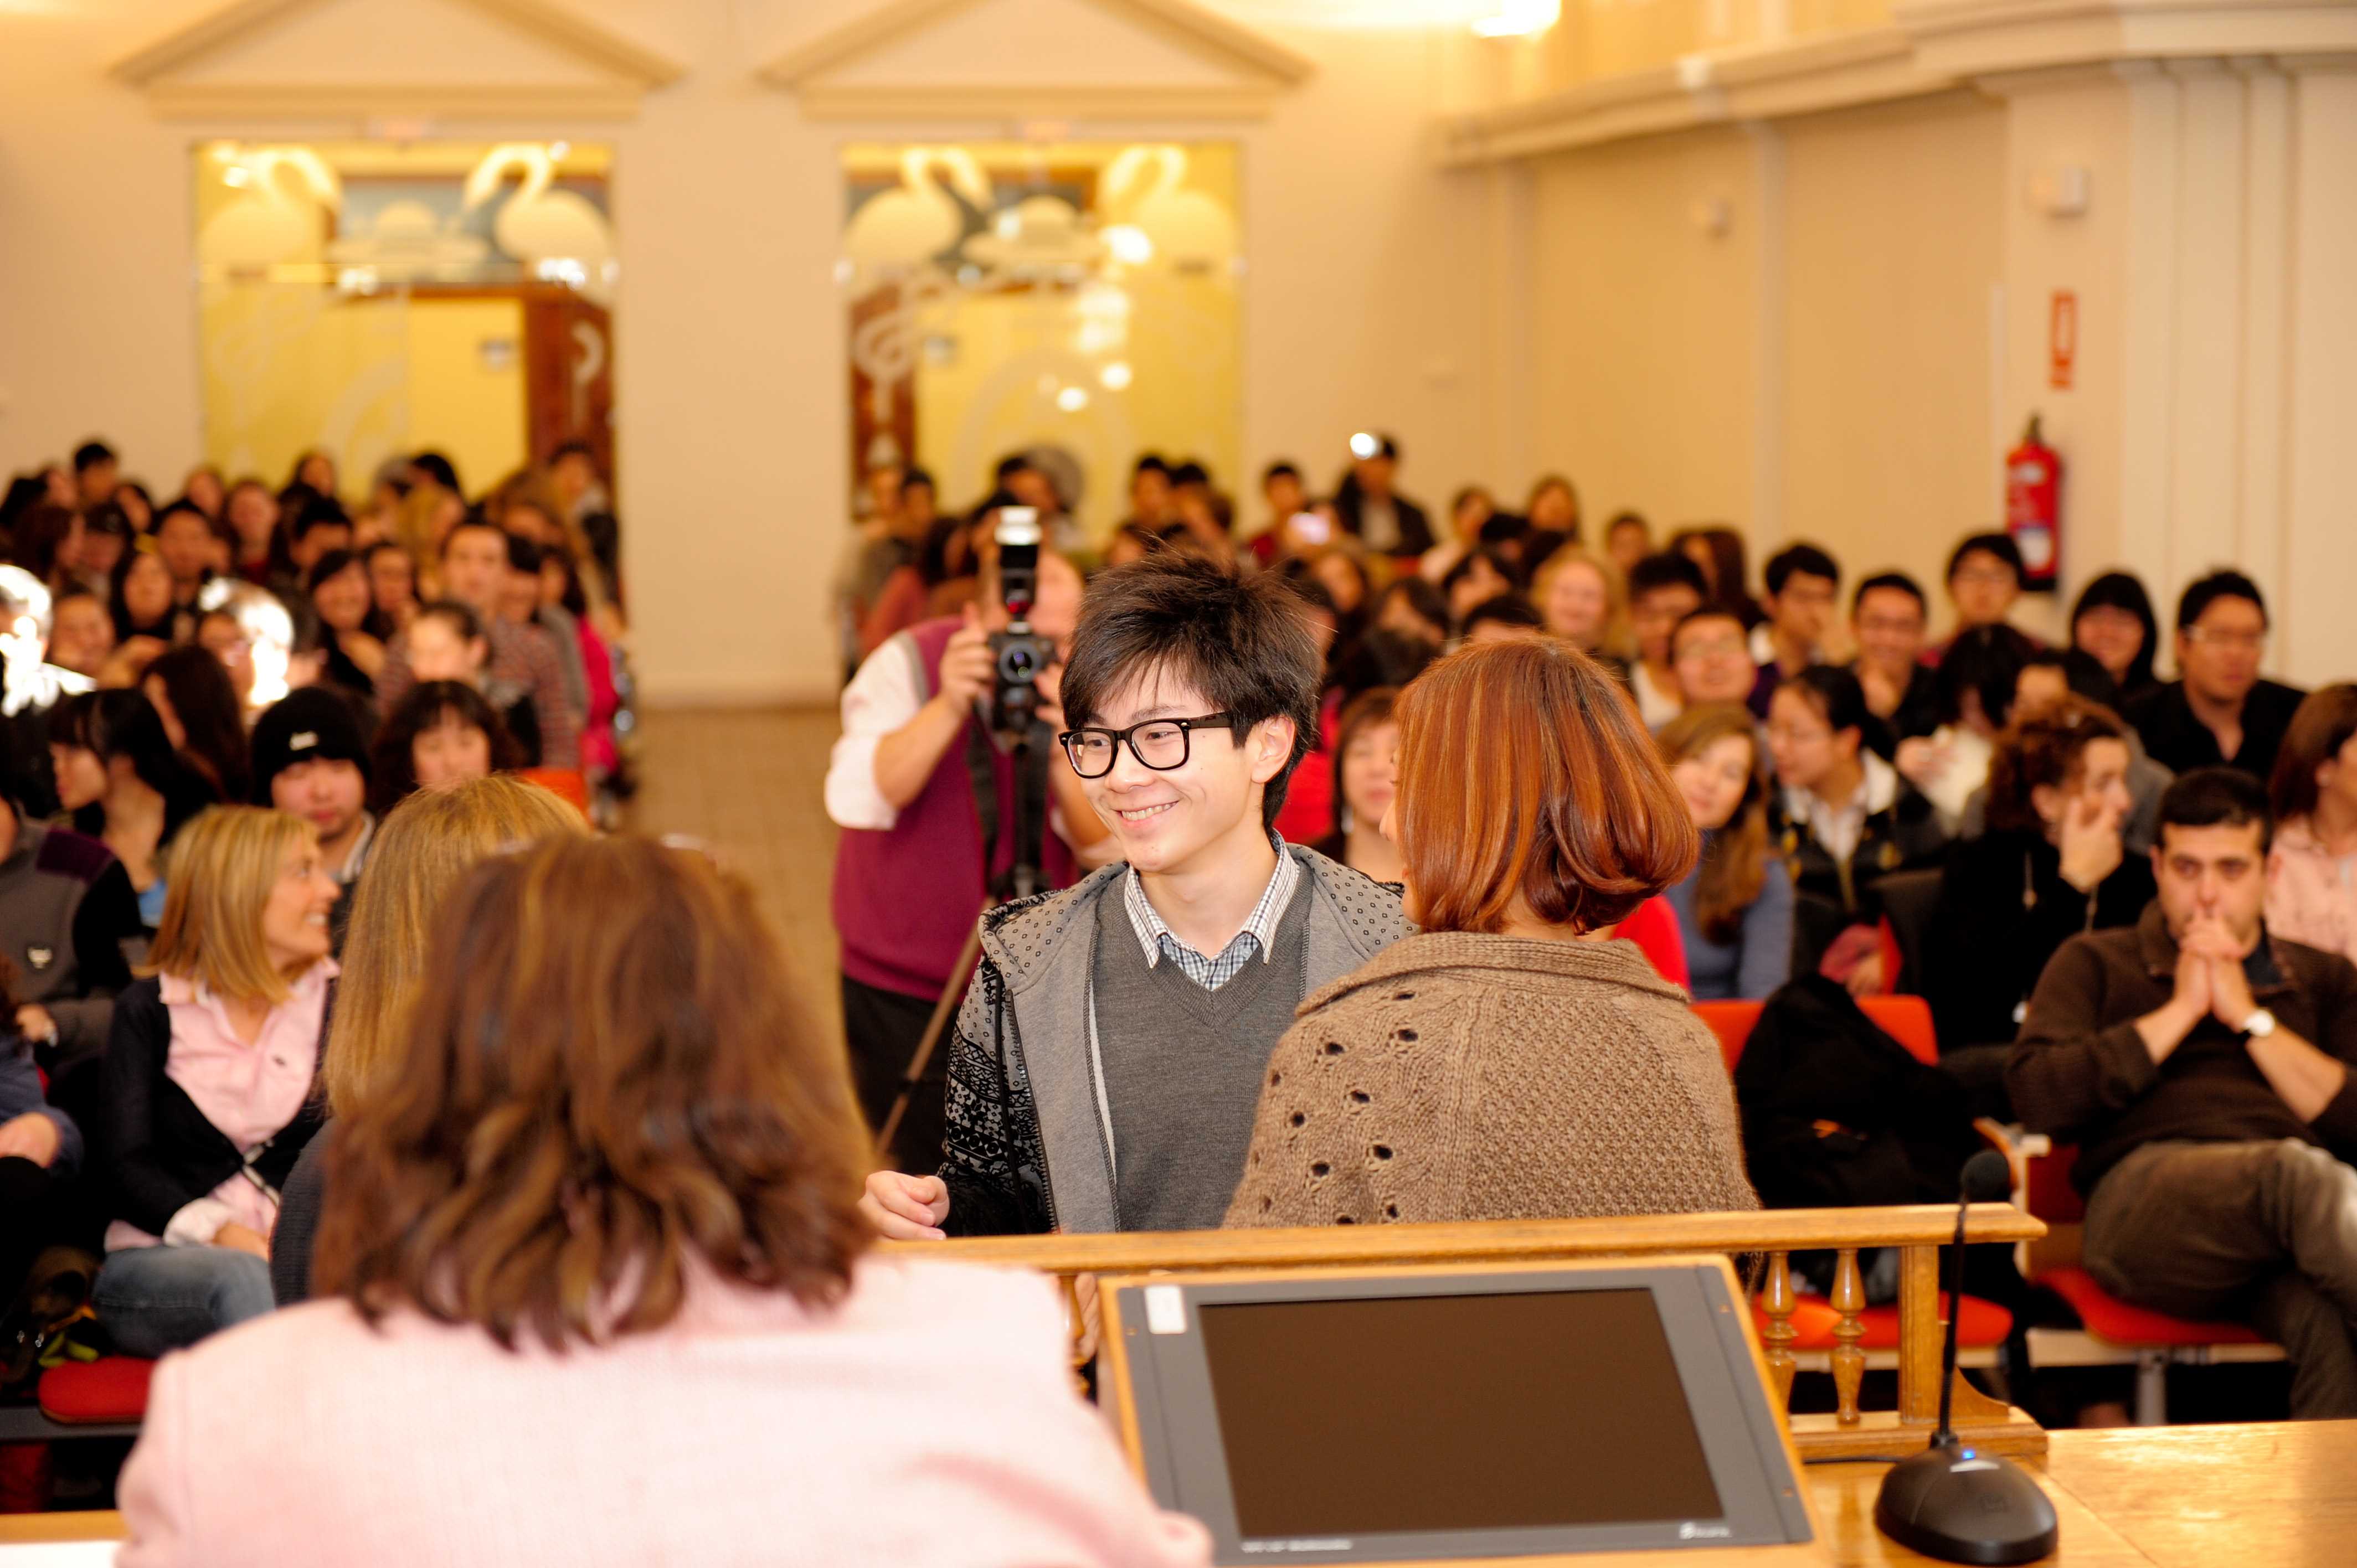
column 2171, row 1497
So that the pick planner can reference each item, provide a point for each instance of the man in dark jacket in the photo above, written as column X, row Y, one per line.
column 66, row 910
column 1386, row 521
column 2221, row 711
column 2203, row 1066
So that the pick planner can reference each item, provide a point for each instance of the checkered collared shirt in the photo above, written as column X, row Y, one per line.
column 1256, row 937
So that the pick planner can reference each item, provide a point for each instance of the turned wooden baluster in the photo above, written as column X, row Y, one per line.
column 1081, row 1350
column 1849, row 1362
column 1780, row 1332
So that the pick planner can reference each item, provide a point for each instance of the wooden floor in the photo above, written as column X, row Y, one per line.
column 746, row 785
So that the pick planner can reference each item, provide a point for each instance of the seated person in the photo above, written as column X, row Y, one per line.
column 1585, row 601
column 651, row 1261
column 1628, row 539
column 423, row 853
column 446, row 641
column 1105, row 1063
column 40, row 1149
column 1843, row 819
column 1506, row 619
column 1984, row 582
column 1974, row 687
column 2201, row 1064
column 311, row 760
column 1710, row 652
column 1366, row 767
column 66, row 911
column 2112, row 622
column 1510, row 1061
column 2313, row 869
column 125, row 786
column 1663, row 590
column 208, row 1080
column 1480, row 576
column 2052, row 864
column 204, row 716
column 1413, row 607
column 1735, row 907
column 1804, row 586
column 516, row 665
column 442, row 733
column 2046, row 678
column 2219, row 710
column 1887, row 616
column 82, row 632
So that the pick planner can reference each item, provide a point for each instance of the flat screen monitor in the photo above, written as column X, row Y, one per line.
column 1458, row 1415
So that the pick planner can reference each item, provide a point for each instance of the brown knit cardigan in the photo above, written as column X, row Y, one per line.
column 1464, row 1077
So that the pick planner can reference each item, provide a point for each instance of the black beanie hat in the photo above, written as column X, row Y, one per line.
column 308, row 723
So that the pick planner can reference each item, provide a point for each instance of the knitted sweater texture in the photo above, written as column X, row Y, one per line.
column 1465, row 1076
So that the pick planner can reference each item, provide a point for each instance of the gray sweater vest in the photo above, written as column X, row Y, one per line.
column 1183, row 1067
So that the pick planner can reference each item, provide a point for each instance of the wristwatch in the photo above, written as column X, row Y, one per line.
column 2259, row 1024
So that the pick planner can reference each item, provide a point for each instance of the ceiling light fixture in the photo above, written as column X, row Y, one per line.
column 1519, row 18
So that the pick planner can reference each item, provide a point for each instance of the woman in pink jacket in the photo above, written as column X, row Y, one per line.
column 601, row 1294
column 2313, row 867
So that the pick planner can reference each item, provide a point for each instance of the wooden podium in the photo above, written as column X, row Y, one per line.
column 1918, row 1232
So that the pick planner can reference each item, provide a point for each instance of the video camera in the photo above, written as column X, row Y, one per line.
column 1019, row 654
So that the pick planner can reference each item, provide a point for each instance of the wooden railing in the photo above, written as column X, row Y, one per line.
column 1917, row 1231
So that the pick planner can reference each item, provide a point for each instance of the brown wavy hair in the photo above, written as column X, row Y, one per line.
column 1734, row 858
column 2047, row 747
column 1525, row 776
column 2320, row 727
column 608, row 1089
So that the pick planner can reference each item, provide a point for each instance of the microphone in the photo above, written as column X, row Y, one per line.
column 1951, row 1502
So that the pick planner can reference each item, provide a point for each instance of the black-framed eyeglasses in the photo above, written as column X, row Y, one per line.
column 1160, row 744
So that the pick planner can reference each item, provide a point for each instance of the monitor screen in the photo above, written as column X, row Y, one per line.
column 1453, row 1413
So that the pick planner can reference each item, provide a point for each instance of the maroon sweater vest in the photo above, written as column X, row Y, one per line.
column 906, row 899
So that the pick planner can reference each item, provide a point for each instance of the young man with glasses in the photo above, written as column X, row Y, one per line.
column 1888, row 615
column 2219, row 713
column 1983, row 581
column 1109, row 1056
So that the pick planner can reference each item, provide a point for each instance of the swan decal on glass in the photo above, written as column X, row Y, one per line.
column 272, row 220
column 1157, row 221
column 557, row 235
column 899, row 231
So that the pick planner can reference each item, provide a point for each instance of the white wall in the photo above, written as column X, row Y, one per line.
column 1889, row 439
column 729, row 352
column 1645, row 326
column 1847, row 362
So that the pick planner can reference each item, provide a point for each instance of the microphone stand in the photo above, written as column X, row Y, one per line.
column 1951, row 1502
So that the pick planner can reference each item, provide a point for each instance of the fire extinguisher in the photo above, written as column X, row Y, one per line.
column 2033, row 507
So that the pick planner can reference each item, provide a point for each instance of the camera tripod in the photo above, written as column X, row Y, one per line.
column 1022, row 878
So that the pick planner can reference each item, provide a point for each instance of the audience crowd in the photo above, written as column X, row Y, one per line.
column 1356, row 863
column 213, row 702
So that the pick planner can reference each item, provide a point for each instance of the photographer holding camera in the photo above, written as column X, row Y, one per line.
column 952, row 793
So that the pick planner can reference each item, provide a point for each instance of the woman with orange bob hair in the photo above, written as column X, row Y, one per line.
column 1511, row 1061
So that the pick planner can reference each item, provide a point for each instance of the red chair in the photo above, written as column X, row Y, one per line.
column 105, row 1398
column 1907, row 1019
column 109, row 1391
column 566, row 783
column 2111, row 1331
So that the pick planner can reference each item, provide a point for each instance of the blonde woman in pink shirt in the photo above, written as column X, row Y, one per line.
column 209, row 1072
column 593, row 1288
column 2313, row 869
